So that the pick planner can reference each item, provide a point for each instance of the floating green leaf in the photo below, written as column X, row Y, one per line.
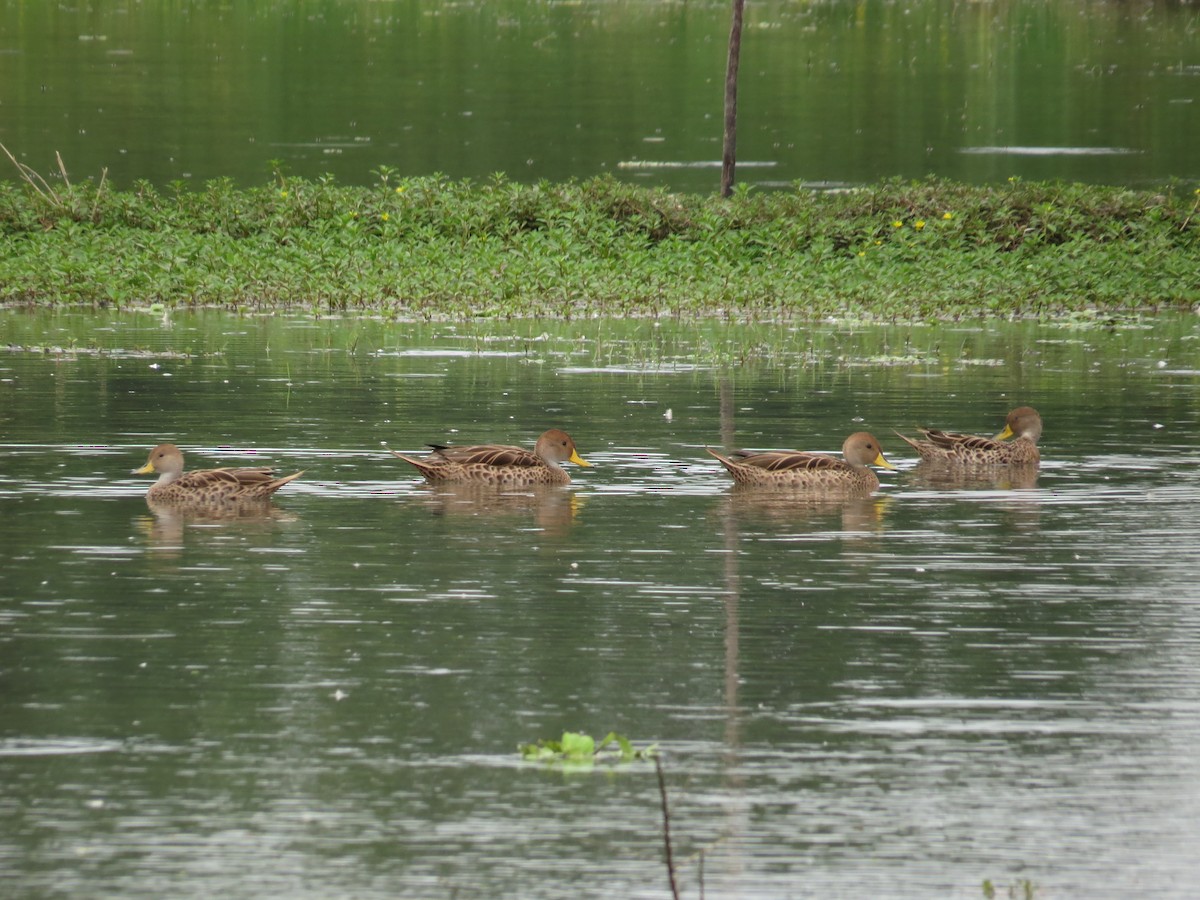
column 575, row 747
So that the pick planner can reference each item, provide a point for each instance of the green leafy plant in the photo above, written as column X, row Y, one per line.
column 434, row 248
column 1023, row 889
column 576, row 747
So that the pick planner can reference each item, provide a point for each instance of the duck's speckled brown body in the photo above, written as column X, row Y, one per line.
column 501, row 465
column 810, row 471
column 206, row 487
column 1023, row 424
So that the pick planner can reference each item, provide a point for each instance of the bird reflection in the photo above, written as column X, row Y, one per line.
column 859, row 511
column 166, row 528
column 1017, row 485
column 940, row 476
column 552, row 509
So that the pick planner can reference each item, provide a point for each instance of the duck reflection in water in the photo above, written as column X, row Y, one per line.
column 939, row 476
column 552, row 509
column 859, row 513
column 171, row 522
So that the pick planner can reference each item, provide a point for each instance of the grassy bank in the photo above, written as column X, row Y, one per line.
column 432, row 247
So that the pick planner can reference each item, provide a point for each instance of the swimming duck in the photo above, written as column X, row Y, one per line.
column 791, row 468
column 1023, row 423
column 497, row 464
column 206, row 486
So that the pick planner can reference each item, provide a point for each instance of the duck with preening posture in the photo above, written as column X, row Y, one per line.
column 810, row 471
column 497, row 464
column 1023, row 424
column 206, row 487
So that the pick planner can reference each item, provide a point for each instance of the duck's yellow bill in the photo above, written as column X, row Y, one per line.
column 577, row 459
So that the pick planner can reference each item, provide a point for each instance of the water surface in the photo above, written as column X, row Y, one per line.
column 831, row 93
column 899, row 696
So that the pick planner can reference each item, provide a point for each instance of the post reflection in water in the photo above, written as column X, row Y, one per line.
column 737, row 807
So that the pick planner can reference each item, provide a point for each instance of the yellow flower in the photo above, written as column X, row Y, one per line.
column 897, row 224
column 400, row 190
column 283, row 193
column 919, row 224
column 862, row 252
column 947, row 216
column 385, row 217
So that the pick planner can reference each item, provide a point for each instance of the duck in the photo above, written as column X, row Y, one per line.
column 817, row 471
column 1023, row 425
column 501, row 465
column 212, row 487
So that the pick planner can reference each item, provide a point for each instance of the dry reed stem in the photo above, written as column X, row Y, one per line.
column 47, row 193
column 34, row 180
column 62, row 168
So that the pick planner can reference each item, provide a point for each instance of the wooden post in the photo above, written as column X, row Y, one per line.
column 729, row 147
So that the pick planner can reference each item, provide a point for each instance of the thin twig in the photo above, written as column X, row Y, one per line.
column 99, row 192
column 62, row 168
column 32, row 178
column 666, row 815
column 1188, row 220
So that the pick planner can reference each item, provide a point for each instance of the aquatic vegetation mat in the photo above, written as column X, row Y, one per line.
column 435, row 248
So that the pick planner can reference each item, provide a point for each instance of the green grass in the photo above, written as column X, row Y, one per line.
column 437, row 248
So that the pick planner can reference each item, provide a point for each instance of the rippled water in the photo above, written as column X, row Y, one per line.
column 829, row 94
column 899, row 696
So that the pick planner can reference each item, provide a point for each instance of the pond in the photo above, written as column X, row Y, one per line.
column 830, row 93
column 902, row 696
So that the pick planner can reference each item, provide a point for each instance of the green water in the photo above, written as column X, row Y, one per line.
column 898, row 697
column 830, row 93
